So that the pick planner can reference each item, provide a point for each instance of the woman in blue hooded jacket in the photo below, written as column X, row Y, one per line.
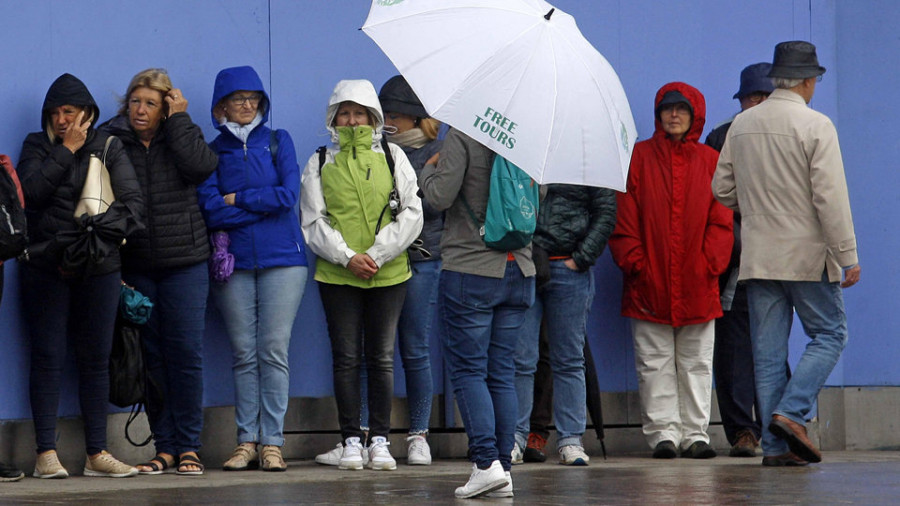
column 252, row 196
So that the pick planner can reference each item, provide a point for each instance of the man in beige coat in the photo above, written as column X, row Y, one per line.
column 781, row 168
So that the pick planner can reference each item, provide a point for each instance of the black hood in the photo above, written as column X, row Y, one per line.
column 68, row 90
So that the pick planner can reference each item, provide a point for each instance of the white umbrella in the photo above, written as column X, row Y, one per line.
column 517, row 76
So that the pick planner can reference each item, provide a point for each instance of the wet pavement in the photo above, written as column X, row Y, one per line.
column 868, row 478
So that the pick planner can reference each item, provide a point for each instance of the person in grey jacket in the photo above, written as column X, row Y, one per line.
column 573, row 227
column 484, row 294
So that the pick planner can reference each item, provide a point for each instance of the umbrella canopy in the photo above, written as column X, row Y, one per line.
column 517, row 76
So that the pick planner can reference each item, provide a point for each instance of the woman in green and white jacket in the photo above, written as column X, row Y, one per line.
column 359, row 220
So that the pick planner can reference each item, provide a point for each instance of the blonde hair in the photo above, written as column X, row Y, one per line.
column 48, row 126
column 430, row 127
column 155, row 79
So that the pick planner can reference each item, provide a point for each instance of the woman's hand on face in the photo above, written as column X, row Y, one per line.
column 76, row 133
column 229, row 199
column 362, row 266
column 176, row 101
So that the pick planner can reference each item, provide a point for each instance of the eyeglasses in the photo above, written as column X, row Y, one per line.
column 239, row 100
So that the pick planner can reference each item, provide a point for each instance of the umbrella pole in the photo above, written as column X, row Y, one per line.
column 593, row 395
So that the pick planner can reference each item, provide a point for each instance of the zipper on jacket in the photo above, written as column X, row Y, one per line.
column 245, row 151
column 354, row 152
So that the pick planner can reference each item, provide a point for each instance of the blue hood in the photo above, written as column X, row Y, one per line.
column 238, row 78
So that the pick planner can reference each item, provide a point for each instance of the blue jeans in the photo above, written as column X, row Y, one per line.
column 173, row 344
column 414, row 332
column 258, row 308
column 79, row 313
column 820, row 307
column 482, row 319
column 563, row 303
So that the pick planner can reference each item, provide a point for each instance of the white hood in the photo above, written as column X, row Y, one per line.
column 363, row 93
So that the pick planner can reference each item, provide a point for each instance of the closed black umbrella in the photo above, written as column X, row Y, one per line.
column 96, row 239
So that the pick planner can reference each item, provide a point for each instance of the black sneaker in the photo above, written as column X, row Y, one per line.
column 699, row 450
column 665, row 450
column 10, row 473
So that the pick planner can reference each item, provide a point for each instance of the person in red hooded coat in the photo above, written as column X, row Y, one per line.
column 672, row 240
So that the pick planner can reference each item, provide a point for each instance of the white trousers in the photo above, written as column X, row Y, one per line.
column 674, row 367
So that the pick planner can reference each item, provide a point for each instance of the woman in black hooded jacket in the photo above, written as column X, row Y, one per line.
column 70, row 283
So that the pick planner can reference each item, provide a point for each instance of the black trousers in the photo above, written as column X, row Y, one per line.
column 733, row 370
column 363, row 319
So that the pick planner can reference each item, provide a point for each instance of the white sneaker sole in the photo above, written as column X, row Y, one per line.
column 100, row 474
column 351, row 466
column 383, row 466
column 58, row 475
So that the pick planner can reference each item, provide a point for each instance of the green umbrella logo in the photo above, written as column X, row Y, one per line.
column 388, row 3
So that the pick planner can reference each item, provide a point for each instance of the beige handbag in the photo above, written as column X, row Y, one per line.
column 97, row 194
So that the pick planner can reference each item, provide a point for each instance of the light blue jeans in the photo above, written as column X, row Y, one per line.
column 258, row 308
column 820, row 307
column 563, row 303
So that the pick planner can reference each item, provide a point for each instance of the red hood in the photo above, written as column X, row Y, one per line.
column 698, row 103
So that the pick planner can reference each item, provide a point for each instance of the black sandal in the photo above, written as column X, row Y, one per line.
column 157, row 464
column 189, row 460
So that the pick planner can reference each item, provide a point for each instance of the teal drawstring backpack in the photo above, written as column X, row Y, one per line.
column 512, row 208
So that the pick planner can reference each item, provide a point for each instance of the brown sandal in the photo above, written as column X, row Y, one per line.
column 272, row 459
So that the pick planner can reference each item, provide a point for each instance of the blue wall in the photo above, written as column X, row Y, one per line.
column 302, row 47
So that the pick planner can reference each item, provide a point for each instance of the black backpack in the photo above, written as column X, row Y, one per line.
column 13, row 230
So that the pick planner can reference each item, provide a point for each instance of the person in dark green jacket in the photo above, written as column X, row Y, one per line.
column 573, row 227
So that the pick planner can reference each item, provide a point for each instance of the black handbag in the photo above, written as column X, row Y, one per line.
column 128, row 380
column 126, row 366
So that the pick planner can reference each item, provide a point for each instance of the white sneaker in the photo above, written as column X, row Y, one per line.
column 517, row 455
column 380, row 458
column 351, row 455
column 418, row 452
column 506, row 491
column 481, row 482
column 573, row 455
column 331, row 458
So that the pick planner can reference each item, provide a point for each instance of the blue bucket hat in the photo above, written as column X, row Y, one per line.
column 755, row 78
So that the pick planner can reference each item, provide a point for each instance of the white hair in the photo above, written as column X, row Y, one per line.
column 785, row 83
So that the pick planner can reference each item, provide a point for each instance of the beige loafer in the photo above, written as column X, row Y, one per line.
column 243, row 458
column 272, row 459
